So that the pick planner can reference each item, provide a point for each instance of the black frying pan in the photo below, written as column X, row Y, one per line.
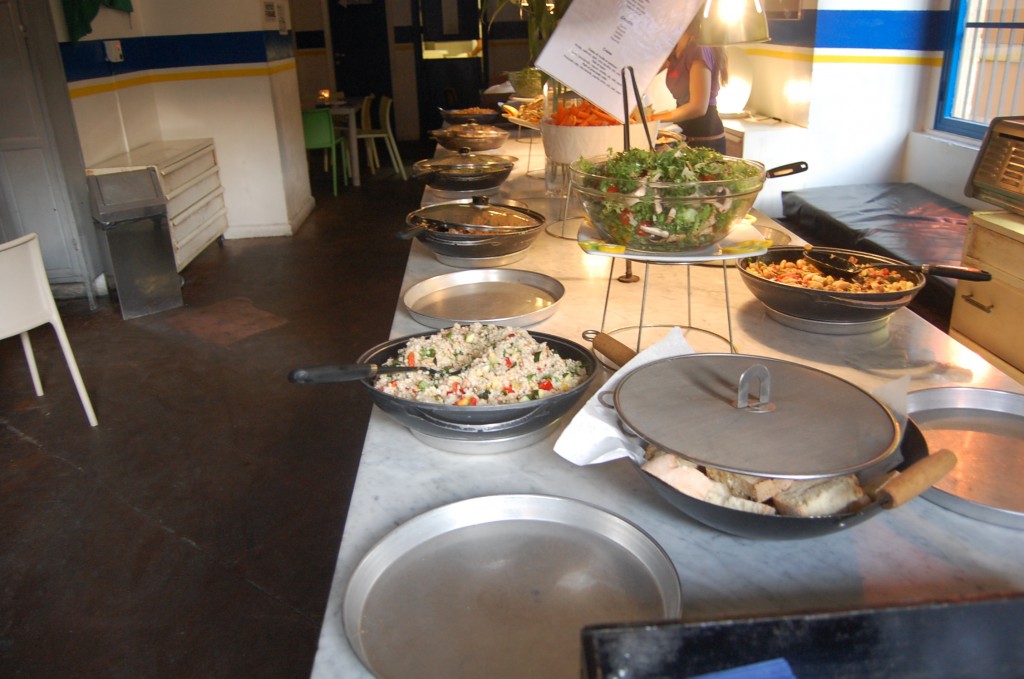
column 918, row 471
column 470, row 423
column 824, row 305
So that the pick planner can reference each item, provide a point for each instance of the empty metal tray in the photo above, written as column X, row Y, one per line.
column 497, row 296
column 985, row 428
column 501, row 586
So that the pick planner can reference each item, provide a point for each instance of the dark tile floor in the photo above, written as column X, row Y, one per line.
column 194, row 532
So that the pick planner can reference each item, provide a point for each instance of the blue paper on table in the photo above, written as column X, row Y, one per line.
column 769, row 669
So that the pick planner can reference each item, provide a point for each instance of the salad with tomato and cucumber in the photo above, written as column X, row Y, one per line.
column 666, row 201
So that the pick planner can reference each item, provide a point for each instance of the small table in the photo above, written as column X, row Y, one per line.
column 348, row 108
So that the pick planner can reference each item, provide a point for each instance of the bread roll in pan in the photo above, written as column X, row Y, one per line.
column 777, row 527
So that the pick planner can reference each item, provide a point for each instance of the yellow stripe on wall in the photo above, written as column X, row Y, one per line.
column 879, row 60
column 890, row 60
column 180, row 76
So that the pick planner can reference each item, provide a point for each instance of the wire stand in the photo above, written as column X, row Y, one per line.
column 687, row 328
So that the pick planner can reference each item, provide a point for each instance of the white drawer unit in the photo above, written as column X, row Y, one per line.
column 190, row 180
column 989, row 317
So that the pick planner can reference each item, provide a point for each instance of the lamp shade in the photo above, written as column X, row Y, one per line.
column 730, row 22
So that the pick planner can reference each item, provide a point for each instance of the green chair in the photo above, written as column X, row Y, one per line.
column 318, row 126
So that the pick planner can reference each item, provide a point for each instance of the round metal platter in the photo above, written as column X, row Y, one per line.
column 827, row 327
column 498, row 444
column 496, row 296
column 712, row 253
column 815, row 424
column 481, row 262
column 985, row 428
column 500, row 587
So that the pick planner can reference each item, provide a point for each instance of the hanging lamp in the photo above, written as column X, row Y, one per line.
column 730, row 22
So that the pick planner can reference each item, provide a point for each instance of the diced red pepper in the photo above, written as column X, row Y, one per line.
column 545, row 385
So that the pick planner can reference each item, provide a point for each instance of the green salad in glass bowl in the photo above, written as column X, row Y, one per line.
column 677, row 200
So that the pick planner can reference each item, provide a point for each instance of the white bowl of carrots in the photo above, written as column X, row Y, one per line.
column 583, row 130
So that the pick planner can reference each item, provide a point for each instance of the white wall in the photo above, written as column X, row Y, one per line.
column 252, row 111
column 869, row 113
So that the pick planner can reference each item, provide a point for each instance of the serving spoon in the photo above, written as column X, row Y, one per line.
column 328, row 374
column 841, row 267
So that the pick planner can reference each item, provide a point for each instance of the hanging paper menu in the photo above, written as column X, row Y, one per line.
column 596, row 39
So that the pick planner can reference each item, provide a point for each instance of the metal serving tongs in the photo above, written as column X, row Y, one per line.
column 629, row 276
column 639, row 108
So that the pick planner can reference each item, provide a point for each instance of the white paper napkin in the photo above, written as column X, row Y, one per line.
column 594, row 436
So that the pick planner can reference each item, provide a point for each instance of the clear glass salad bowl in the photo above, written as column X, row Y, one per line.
column 658, row 211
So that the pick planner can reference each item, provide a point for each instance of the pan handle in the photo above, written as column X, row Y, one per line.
column 613, row 349
column 916, row 479
column 964, row 273
column 786, row 170
column 329, row 374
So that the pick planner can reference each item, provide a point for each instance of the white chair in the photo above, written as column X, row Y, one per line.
column 372, row 134
column 26, row 302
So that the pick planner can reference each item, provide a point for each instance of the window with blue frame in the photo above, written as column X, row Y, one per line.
column 983, row 69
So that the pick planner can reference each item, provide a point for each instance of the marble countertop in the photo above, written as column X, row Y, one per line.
column 920, row 552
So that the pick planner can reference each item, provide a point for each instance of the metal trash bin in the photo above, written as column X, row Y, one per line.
column 131, row 212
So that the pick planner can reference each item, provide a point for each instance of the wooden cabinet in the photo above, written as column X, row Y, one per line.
column 190, row 179
column 988, row 316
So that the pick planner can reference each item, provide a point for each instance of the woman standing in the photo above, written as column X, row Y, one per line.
column 694, row 76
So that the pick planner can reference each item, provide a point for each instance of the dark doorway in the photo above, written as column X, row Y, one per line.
column 359, row 34
column 449, row 81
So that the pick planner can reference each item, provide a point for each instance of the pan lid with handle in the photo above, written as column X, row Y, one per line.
column 476, row 214
column 756, row 415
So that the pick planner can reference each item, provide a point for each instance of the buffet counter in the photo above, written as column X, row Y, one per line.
column 920, row 552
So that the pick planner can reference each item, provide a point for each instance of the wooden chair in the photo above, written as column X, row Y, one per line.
column 318, row 127
column 372, row 134
column 26, row 302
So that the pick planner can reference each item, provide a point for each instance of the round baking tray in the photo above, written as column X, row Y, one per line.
column 481, row 262
column 827, row 327
column 498, row 444
column 985, row 428
column 496, row 296
column 501, row 586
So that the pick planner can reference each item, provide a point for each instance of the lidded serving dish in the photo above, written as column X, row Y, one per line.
column 474, row 114
column 772, row 421
column 465, row 171
column 474, row 232
column 472, row 136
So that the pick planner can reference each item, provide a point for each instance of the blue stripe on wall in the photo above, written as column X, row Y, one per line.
column 881, row 30
column 85, row 59
column 863, row 29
